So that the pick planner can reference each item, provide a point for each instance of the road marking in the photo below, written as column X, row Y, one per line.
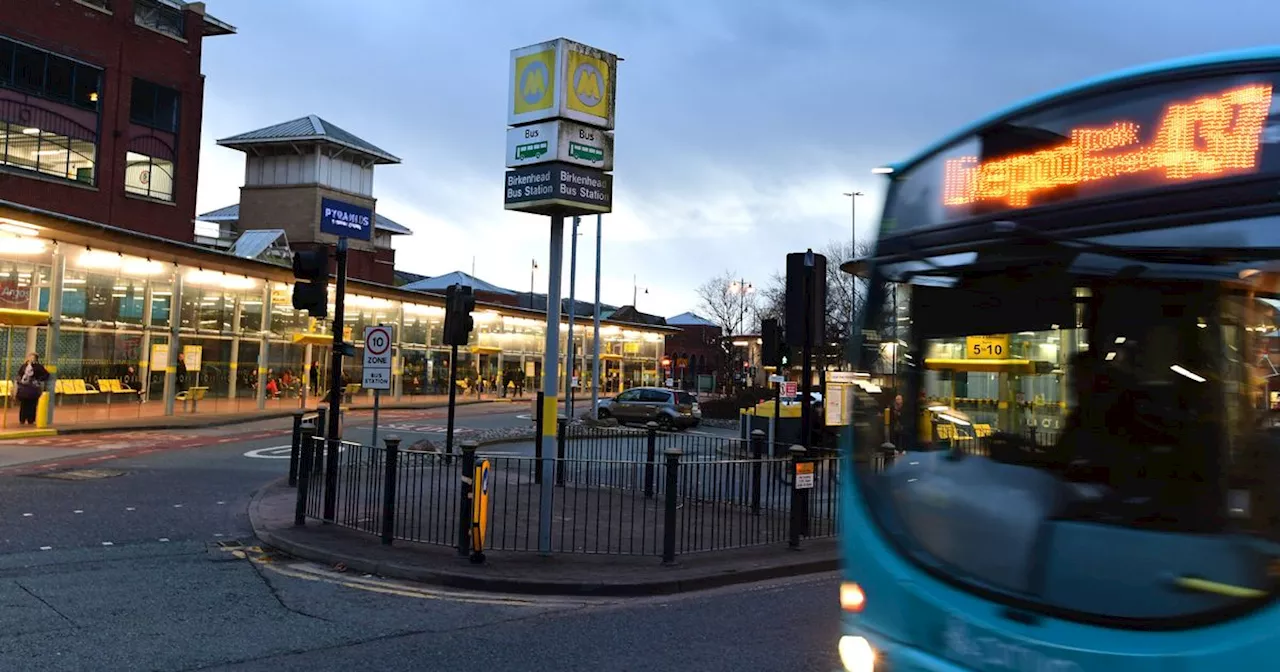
column 107, row 543
column 46, row 548
column 272, row 453
column 310, row 572
column 129, row 508
column 221, row 502
column 164, row 538
column 177, row 506
column 78, row 511
column 27, row 515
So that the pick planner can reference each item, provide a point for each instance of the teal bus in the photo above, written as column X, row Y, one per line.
column 1076, row 304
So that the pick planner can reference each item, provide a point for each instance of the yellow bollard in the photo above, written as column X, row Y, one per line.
column 42, row 411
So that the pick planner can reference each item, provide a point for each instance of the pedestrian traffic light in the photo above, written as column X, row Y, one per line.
column 311, row 281
column 459, row 302
column 771, row 349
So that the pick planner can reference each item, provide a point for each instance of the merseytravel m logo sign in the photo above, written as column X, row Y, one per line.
column 588, row 90
column 562, row 79
column 535, row 81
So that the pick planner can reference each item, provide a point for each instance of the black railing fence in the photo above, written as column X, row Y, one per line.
column 615, row 491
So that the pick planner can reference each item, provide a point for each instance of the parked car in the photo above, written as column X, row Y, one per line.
column 669, row 408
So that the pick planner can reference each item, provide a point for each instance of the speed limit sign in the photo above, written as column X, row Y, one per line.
column 377, row 358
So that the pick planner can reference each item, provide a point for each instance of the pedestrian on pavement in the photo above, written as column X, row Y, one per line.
column 30, row 385
column 182, row 372
column 314, row 376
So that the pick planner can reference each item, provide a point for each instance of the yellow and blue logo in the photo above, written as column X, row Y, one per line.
column 535, row 82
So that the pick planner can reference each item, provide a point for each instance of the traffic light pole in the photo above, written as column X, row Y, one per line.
column 333, row 440
column 453, row 400
column 806, row 367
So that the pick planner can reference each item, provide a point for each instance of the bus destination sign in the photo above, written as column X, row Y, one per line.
column 1210, row 136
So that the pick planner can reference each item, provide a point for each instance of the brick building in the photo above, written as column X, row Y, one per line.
column 696, row 350
column 100, row 109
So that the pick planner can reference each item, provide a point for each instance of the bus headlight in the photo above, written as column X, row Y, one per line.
column 856, row 654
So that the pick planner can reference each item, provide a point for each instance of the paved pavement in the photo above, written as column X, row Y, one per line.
column 118, row 567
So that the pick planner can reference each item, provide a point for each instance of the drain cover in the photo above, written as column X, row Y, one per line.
column 82, row 474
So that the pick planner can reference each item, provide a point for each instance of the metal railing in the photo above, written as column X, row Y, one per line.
column 615, row 492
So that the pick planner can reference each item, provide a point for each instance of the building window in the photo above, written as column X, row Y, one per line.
column 154, row 105
column 158, row 17
column 50, row 76
column 45, row 142
column 149, row 168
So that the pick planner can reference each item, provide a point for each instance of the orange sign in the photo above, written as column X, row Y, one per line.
column 1211, row 136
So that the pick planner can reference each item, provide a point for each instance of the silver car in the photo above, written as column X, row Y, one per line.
column 669, row 408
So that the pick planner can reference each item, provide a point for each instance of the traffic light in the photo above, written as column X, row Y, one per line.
column 771, row 349
column 311, row 286
column 459, row 301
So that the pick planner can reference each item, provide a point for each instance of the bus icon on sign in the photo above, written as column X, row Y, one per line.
column 585, row 152
column 531, row 150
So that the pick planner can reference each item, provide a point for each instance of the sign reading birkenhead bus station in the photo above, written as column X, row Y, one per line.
column 561, row 113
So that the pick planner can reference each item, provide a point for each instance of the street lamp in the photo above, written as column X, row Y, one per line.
column 742, row 288
column 635, row 291
column 533, row 267
column 853, row 254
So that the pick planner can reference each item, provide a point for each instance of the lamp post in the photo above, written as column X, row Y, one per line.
column 635, row 291
column 533, row 268
column 853, row 254
column 742, row 288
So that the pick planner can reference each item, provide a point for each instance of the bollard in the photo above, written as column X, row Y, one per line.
column 651, row 455
column 669, row 507
column 796, row 522
column 295, row 446
column 322, row 415
column 562, row 428
column 389, row 489
column 306, row 470
column 464, row 497
column 537, row 439
column 757, row 469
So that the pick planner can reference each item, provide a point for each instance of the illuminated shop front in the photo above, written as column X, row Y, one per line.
column 139, row 326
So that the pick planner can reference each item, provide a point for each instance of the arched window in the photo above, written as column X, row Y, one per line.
column 35, row 139
column 149, row 168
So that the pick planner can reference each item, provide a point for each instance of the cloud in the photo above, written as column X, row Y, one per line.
column 740, row 122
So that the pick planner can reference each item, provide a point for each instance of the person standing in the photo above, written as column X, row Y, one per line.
column 181, row 375
column 30, row 385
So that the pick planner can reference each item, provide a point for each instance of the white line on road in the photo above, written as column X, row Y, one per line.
column 27, row 515
column 130, row 508
column 164, row 538
column 177, row 506
column 107, row 543
column 46, row 548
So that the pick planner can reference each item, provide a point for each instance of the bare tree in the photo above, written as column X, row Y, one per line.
column 729, row 301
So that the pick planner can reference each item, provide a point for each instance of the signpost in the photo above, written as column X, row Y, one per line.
column 561, row 110
column 480, row 511
column 804, row 476
column 377, row 368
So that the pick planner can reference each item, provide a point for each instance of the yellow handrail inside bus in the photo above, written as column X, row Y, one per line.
column 1206, row 586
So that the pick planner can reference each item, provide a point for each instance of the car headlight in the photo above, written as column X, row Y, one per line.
column 856, row 654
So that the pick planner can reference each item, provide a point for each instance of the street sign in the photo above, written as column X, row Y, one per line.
column 191, row 356
column 159, row 357
column 837, row 404
column 562, row 79
column 345, row 220
column 790, row 389
column 804, row 475
column 559, row 140
column 377, row 358
column 842, row 377
column 775, row 378
column 559, row 189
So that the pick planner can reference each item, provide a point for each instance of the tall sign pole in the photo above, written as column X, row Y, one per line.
column 571, row 354
column 560, row 153
column 595, row 331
